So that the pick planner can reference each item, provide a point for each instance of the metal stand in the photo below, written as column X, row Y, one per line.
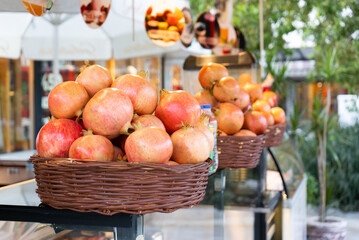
column 219, row 187
column 279, row 170
column 124, row 226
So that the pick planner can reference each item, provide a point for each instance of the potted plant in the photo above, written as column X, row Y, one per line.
column 322, row 226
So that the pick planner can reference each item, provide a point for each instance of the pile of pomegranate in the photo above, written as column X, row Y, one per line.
column 98, row 118
column 240, row 106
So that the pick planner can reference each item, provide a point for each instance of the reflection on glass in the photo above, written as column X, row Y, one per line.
column 207, row 30
column 94, row 12
column 164, row 23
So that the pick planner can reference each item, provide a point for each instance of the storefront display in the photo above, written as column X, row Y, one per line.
column 144, row 140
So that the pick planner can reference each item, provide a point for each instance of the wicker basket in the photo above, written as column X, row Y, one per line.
column 274, row 135
column 119, row 187
column 239, row 151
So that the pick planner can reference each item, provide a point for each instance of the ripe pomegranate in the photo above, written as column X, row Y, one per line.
column 94, row 78
column 67, row 99
column 149, row 144
column 108, row 112
column 278, row 114
column 190, row 146
column 202, row 125
column 261, row 106
column 117, row 154
column 226, row 89
column 254, row 90
column 269, row 117
column 143, row 96
column 245, row 132
column 270, row 97
column 92, row 147
column 148, row 121
column 176, row 108
column 255, row 121
column 244, row 78
column 229, row 117
column 210, row 73
column 170, row 162
column 221, row 133
column 55, row 138
column 242, row 100
column 205, row 98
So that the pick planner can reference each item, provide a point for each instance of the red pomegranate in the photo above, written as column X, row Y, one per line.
column 270, row 97
column 55, row 138
column 190, row 146
column 210, row 73
column 67, row 99
column 242, row 100
column 176, row 108
column 226, row 89
column 94, row 78
column 269, row 117
column 255, row 121
column 261, row 106
column 254, row 90
column 170, row 162
column 221, row 133
column 244, row 78
column 108, row 112
column 229, row 117
column 148, row 121
column 149, row 144
column 278, row 114
column 205, row 98
column 92, row 147
column 117, row 154
column 143, row 96
column 245, row 132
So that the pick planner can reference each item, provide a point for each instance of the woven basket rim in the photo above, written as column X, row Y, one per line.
column 84, row 163
column 280, row 125
column 243, row 138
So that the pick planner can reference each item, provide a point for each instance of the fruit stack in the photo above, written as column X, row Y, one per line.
column 244, row 113
column 120, row 129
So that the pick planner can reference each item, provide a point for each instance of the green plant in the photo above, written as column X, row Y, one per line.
column 312, row 189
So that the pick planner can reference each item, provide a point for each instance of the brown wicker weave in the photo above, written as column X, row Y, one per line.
column 274, row 135
column 113, row 187
column 239, row 151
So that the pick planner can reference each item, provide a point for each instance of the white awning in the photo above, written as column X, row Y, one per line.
column 11, row 31
column 76, row 40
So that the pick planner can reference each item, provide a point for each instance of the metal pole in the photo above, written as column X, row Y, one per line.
column 261, row 40
column 55, row 62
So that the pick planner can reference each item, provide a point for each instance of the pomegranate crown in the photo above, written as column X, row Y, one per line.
column 143, row 74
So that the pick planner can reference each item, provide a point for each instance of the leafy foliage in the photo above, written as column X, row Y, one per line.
column 342, row 167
